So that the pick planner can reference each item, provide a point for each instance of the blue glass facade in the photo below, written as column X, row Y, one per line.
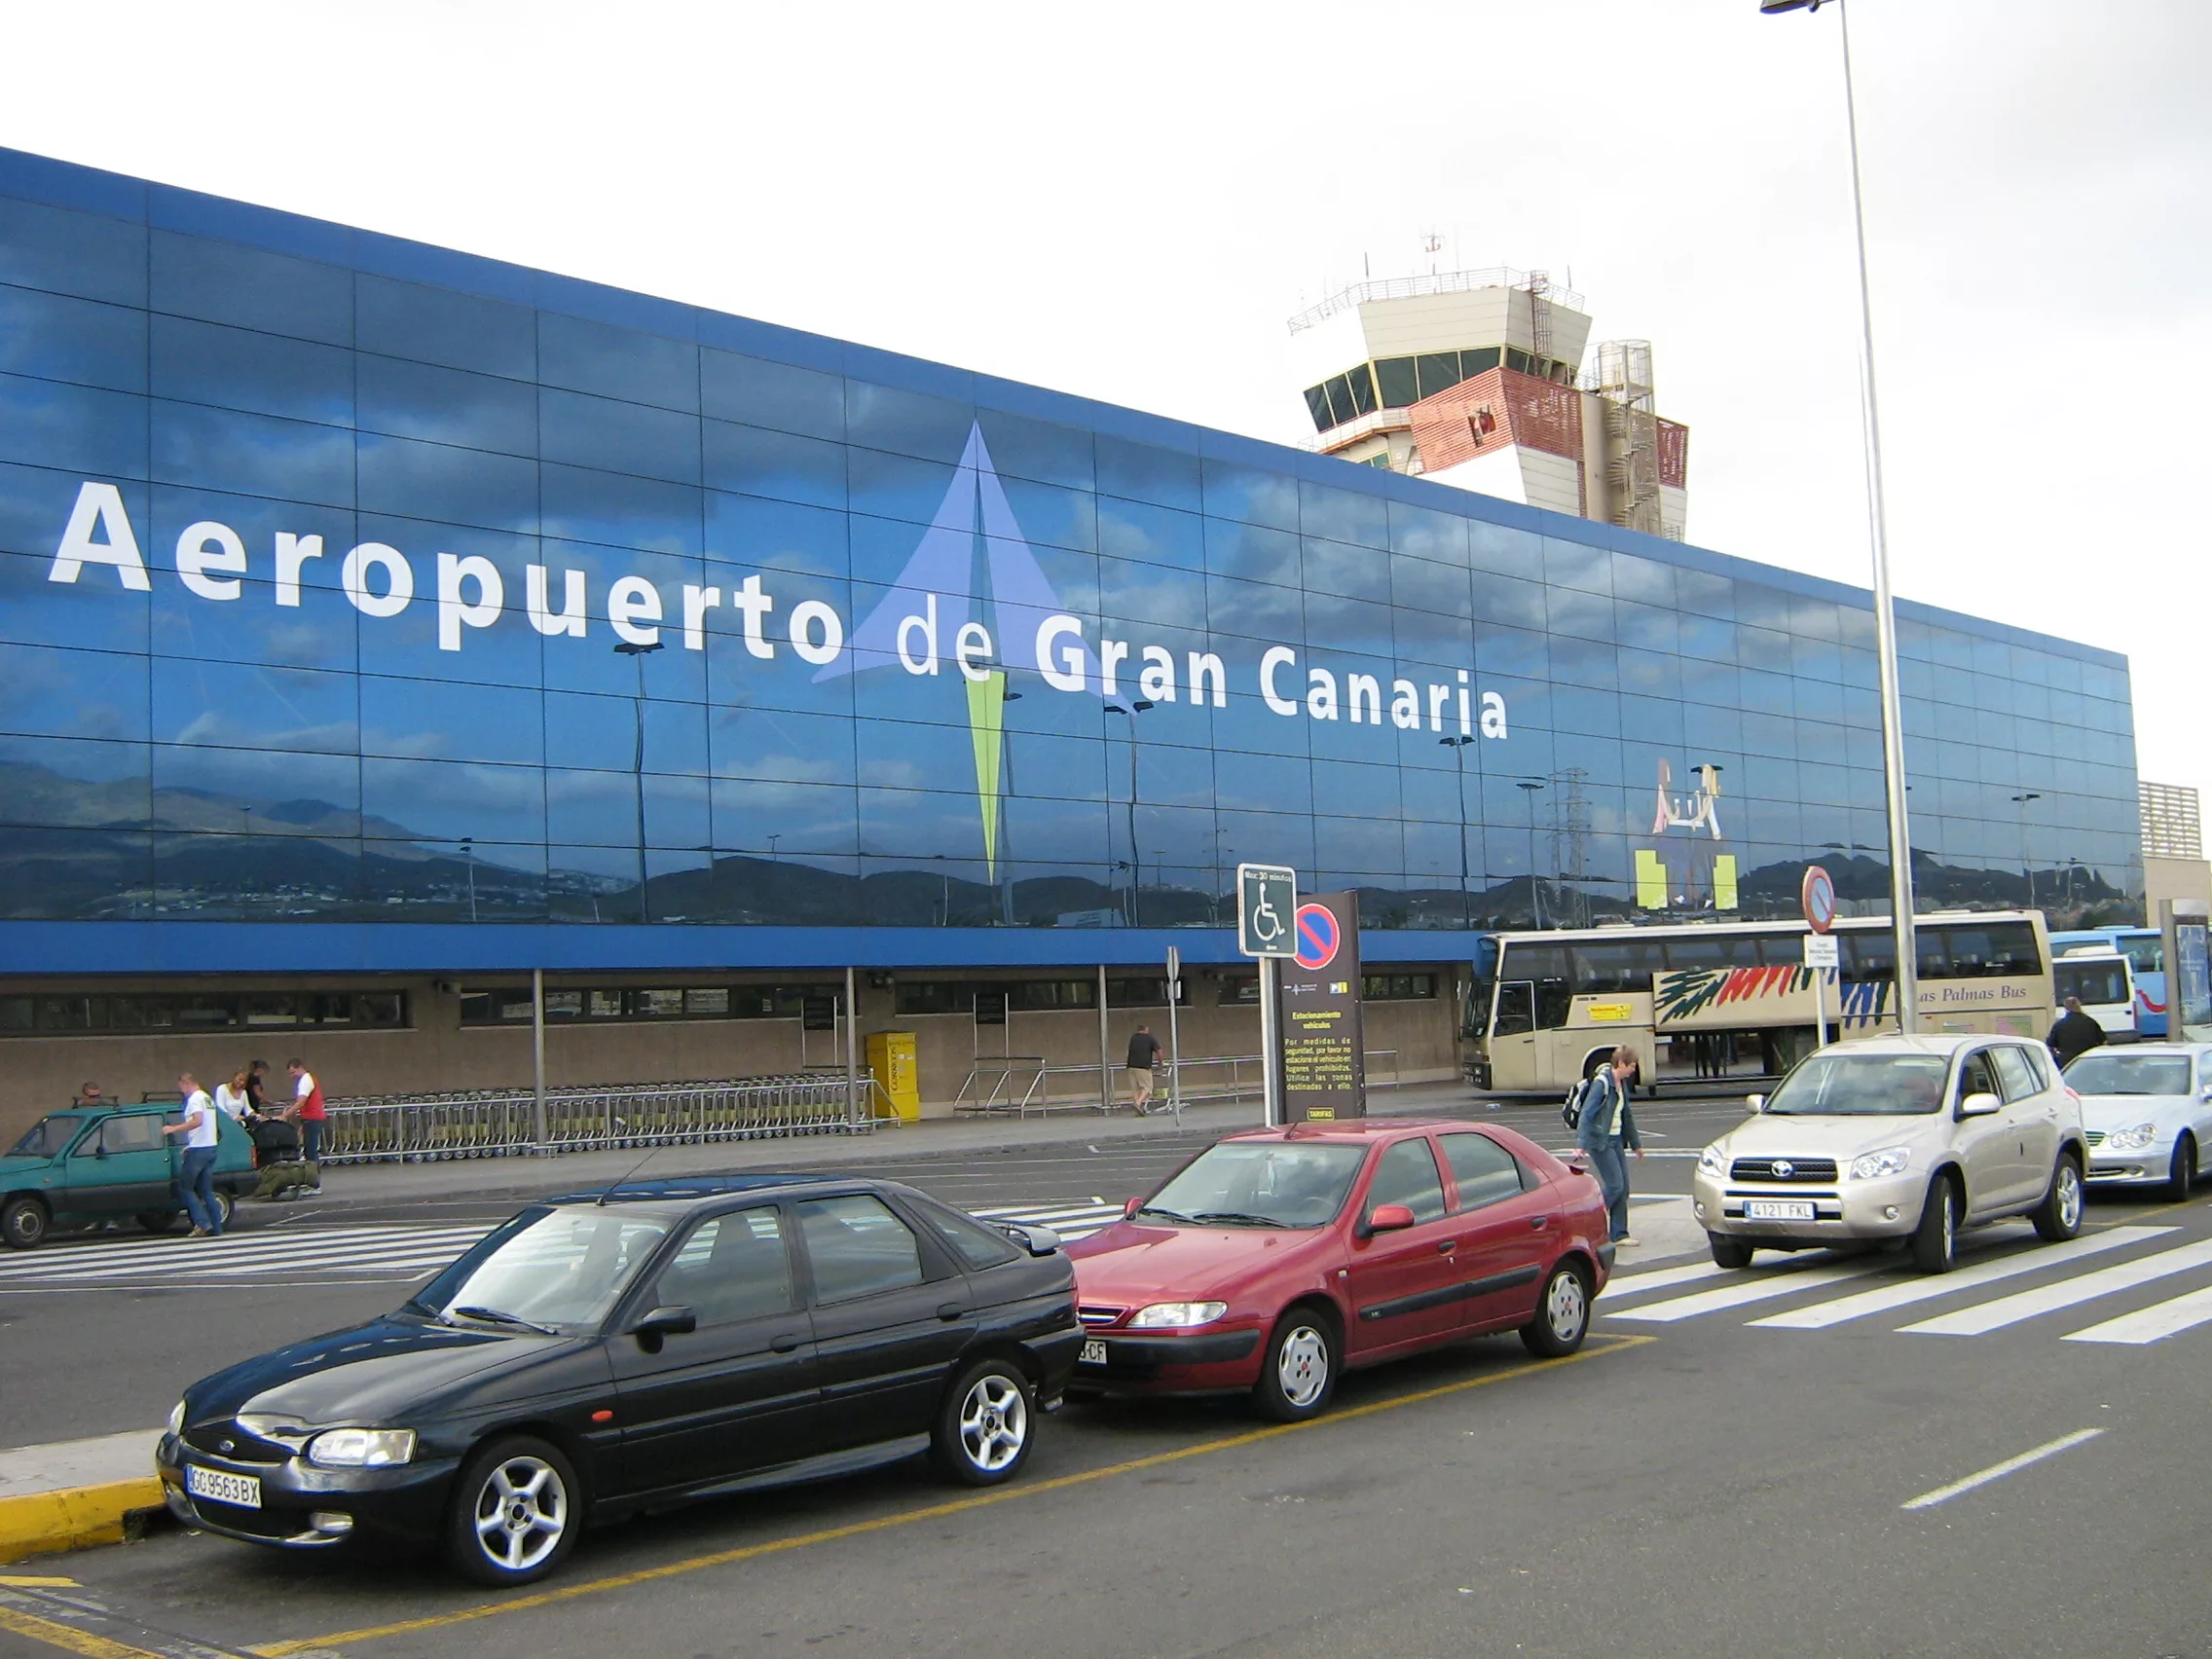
column 345, row 581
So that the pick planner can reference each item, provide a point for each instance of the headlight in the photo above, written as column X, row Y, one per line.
column 361, row 1448
column 1711, row 1161
column 176, row 1419
column 2132, row 1140
column 1889, row 1161
column 1177, row 1313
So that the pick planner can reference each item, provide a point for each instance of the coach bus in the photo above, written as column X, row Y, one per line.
column 2146, row 952
column 1700, row 999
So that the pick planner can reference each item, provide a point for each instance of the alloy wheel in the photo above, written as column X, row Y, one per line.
column 2069, row 1196
column 1301, row 1366
column 994, row 1423
column 522, row 1511
column 1566, row 1307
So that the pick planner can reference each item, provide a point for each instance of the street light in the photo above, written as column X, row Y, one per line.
column 637, row 653
column 778, row 835
column 1529, row 787
column 1137, row 706
column 469, row 853
column 2027, row 869
column 1885, row 610
column 1007, row 694
column 1459, row 748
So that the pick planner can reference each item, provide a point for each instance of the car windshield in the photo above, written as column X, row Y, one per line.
column 554, row 1267
column 48, row 1138
column 2130, row 1073
column 1861, row 1086
column 1260, row 1183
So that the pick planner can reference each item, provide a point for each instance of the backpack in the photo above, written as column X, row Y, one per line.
column 1570, row 1109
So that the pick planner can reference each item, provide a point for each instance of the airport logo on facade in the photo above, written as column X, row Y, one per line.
column 950, row 615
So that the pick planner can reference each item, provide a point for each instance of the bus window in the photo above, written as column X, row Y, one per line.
column 1721, row 950
column 2001, row 950
column 2098, row 980
column 1547, row 967
column 1868, row 955
column 1610, row 967
column 1515, row 1009
column 2146, row 953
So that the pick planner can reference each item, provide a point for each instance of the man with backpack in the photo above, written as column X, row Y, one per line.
column 1605, row 1130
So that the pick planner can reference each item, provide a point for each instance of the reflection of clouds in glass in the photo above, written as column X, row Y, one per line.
column 894, row 774
column 215, row 727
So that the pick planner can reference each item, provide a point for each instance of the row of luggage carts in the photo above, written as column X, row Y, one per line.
column 489, row 1122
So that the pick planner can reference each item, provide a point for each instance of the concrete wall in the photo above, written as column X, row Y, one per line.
column 40, row 1073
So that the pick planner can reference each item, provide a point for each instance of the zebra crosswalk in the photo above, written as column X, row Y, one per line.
column 393, row 1253
column 1836, row 1290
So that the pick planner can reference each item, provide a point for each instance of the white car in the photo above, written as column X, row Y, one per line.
column 1905, row 1138
column 2147, row 1113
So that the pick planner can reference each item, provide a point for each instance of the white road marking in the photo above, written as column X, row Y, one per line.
column 1764, row 1287
column 1880, row 1300
column 2150, row 1325
column 1998, row 1471
column 2067, row 1293
column 1659, row 1278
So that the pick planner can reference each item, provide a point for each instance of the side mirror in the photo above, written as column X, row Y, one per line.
column 1755, row 1102
column 1389, row 1218
column 1037, row 1240
column 1129, row 1208
column 1979, row 1106
column 665, row 1323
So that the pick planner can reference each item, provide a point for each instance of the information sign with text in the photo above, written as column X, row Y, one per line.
column 1324, row 1038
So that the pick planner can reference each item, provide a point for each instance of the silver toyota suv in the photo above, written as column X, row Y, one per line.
column 1880, row 1138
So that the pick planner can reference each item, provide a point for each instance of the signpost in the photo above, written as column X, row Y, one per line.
column 1175, row 1036
column 1823, row 953
column 1324, row 1045
column 1267, row 896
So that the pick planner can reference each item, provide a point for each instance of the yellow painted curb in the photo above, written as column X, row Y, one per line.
column 75, row 1518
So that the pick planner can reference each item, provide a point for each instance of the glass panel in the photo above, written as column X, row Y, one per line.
column 1395, row 378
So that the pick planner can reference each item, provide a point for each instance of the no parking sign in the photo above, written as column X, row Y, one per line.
column 1323, row 1031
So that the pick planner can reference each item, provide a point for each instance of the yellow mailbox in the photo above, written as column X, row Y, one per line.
column 898, row 1073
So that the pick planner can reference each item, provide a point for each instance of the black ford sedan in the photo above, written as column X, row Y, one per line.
column 604, row 1353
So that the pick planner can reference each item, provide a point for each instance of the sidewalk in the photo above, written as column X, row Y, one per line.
column 75, row 1494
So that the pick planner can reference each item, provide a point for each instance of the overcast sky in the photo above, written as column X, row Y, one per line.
column 1129, row 201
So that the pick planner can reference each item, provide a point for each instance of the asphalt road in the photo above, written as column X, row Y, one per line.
column 1686, row 1484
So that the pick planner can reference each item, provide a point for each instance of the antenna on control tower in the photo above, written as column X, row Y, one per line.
column 1433, row 243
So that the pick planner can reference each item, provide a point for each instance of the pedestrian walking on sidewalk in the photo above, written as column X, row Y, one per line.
column 201, row 1130
column 2074, row 1034
column 307, row 1111
column 1607, row 1131
column 1144, row 1049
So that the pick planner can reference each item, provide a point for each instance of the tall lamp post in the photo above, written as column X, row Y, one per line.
column 1885, row 610
column 637, row 653
column 1459, row 748
column 2027, row 869
column 469, row 853
column 1137, row 706
column 1529, row 787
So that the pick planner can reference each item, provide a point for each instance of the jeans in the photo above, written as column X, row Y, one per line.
column 1610, row 1163
column 196, row 1184
column 310, row 1139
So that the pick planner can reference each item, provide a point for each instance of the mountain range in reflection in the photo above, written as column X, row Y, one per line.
column 88, row 850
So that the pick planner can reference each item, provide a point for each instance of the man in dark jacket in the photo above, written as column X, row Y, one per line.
column 2075, row 1033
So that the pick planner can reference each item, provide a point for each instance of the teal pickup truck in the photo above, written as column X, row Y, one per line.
column 94, row 1163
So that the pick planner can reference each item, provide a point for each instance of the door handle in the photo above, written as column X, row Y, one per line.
column 1446, row 1248
column 950, row 1310
column 784, row 1343
column 1539, row 1221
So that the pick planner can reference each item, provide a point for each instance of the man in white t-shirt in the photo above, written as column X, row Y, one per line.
column 202, row 1130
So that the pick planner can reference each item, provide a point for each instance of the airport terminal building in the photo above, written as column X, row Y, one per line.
column 380, row 624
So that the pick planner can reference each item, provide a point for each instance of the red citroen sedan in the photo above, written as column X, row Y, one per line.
column 1278, row 1258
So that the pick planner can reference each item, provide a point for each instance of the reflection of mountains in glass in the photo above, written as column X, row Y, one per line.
column 115, row 850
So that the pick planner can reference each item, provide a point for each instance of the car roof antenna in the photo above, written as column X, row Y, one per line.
column 623, row 1180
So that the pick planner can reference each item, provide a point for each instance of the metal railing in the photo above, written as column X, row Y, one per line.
column 1022, row 1083
column 1436, row 282
column 489, row 1122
